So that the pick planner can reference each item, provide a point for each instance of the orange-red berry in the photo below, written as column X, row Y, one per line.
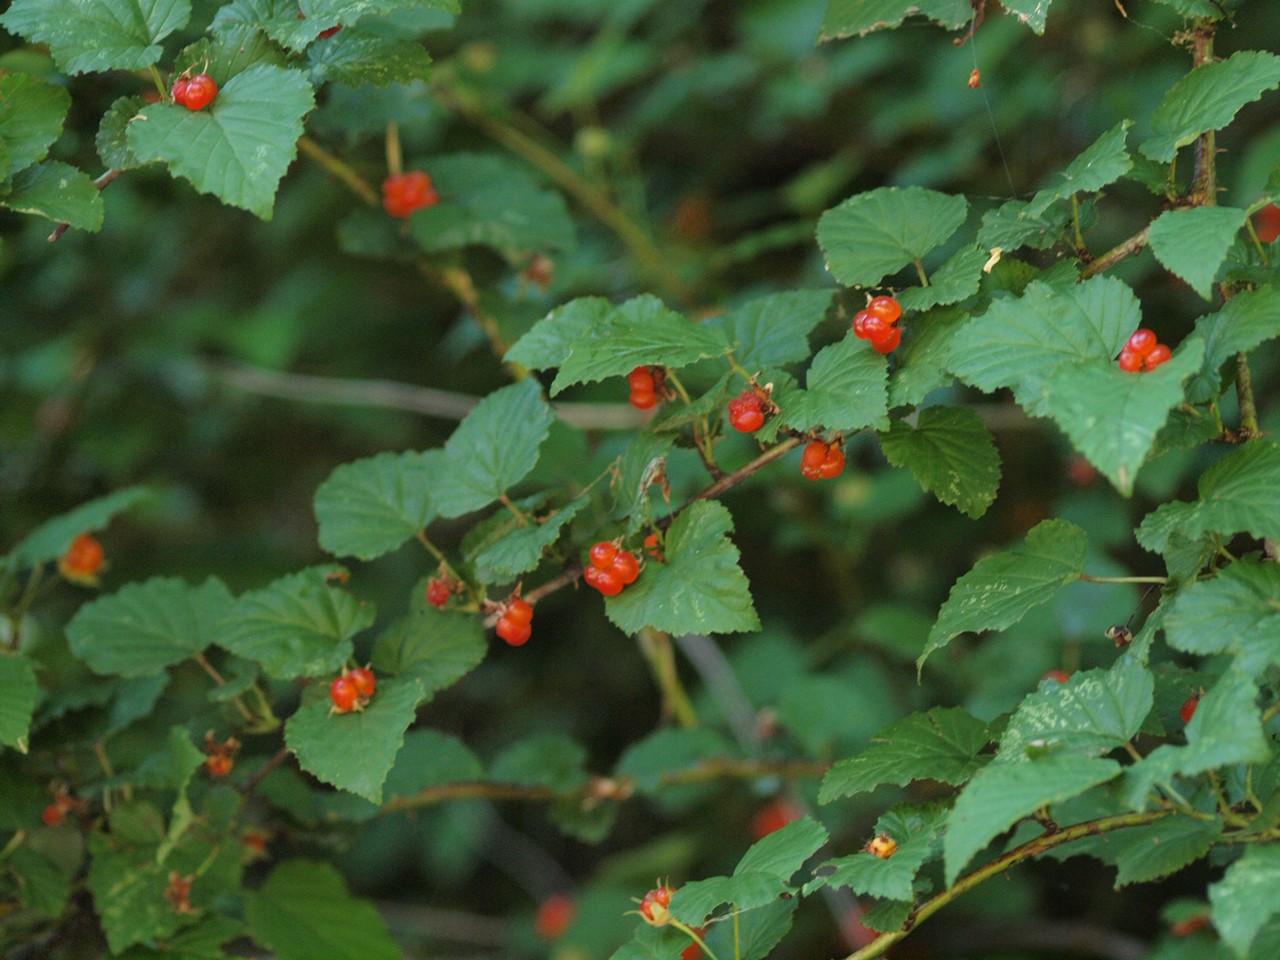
column 407, row 192
column 555, row 915
column 83, row 560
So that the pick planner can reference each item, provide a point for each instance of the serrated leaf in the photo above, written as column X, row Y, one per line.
column 300, row 625
column 650, row 761
column 355, row 58
column 228, row 53
column 1208, row 98
column 1111, row 416
column 877, row 233
column 694, row 902
column 490, row 201
column 1000, row 589
column 943, row 744
column 18, row 692
column 58, row 192
column 239, row 147
column 783, row 852
column 31, row 115
column 1030, row 12
column 887, row 915
column 1154, row 851
column 42, row 885
column 354, row 751
column 373, row 506
column 85, row 35
column 303, row 911
column 1020, row 343
column 548, row 760
column 1246, row 320
column 1104, row 162
column 145, row 627
column 432, row 647
column 430, row 758
column 494, row 448
column 1093, row 712
column 957, row 279
column 951, row 454
column 112, row 141
column 1238, row 612
column 1012, row 225
column 845, row 389
column 641, row 331
column 284, row 21
column 549, row 341
column 892, row 878
column 921, row 360
column 774, row 330
column 51, row 539
column 755, row 933
column 1238, row 494
column 518, row 549
column 1193, row 243
column 1245, row 898
column 1000, row 795
column 846, row 18
column 699, row 587
column 1196, row 8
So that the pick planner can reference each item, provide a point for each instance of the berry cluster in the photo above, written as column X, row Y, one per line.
column 55, row 814
column 876, row 323
column 220, row 758
column 655, row 906
column 647, row 385
column 515, row 623
column 439, row 590
column 83, row 561
column 747, row 411
column 352, row 690
column 610, row 569
column 1143, row 352
column 406, row 192
column 822, row 461
column 195, row 93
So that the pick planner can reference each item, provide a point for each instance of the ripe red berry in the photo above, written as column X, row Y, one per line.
column 1159, row 354
column 592, row 575
column 437, row 592
column 53, row 815
column 513, row 631
column 641, row 378
column 886, row 308
column 625, row 567
column 554, row 916
column 860, row 324
column 602, row 554
column 745, row 413
column 1060, row 675
column 875, row 327
column 693, row 951
column 1130, row 360
column 326, row 34
column 1188, row 709
column 218, row 764
column 773, row 816
column 83, row 560
column 608, row 583
column 364, row 680
column 407, row 192
column 199, row 92
column 821, row 461
column 814, row 453
column 833, row 465
column 654, row 907
column 1268, row 223
column 1142, row 341
column 889, row 342
column 518, row 610
column 344, row 694
column 643, row 399
column 653, row 546
column 179, row 90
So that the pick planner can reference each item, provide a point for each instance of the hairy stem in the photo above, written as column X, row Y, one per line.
column 1122, row 250
column 1249, row 428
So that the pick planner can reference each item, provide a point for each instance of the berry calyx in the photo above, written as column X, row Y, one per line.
column 219, row 756
column 882, row 845
column 821, row 461
column 366, row 683
column 1188, row 708
column 344, row 694
column 1158, row 355
column 83, row 561
column 404, row 193
column 438, row 592
column 1143, row 341
column 655, row 906
column 198, row 93
column 601, row 554
column 555, row 915
column 746, row 414
column 887, row 308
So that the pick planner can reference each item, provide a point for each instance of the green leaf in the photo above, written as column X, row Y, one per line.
column 1245, row 898
column 1193, row 243
column 1112, row 416
column 650, row 761
column 238, row 148
column 783, row 852
column 228, row 53
column 699, row 588
column 879, row 232
column 1238, row 612
column 145, row 627
column 943, row 744
column 640, row 331
column 1238, row 494
column 1246, row 320
column 112, row 141
column 373, row 506
column 1012, row 225
column 487, row 200
column 288, row 22
column 354, row 751
column 304, row 911
column 548, row 343
column 549, row 760
column 1208, row 98
column 918, row 834
column 1020, row 343
column 922, row 359
column 774, row 330
column 1093, row 712
column 51, row 539
column 42, row 885
column 355, row 58
column 58, row 192
column 755, row 933
column 18, row 692
column 1104, row 162
column 1030, row 12
column 845, row 389
column 957, row 279
column 951, row 454
column 696, row 901
column 887, row 915
column 845, row 18
column 31, row 115
column 299, row 626
column 1159, row 849
column 493, row 449
column 430, row 758
column 432, row 647
column 518, row 549
column 87, row 35
column 1001, row 588
column 1000, row 795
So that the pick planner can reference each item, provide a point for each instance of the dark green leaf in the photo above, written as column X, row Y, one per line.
column 772, row 331
column 1164, row 847
column 1012, row 225
column 51, row 539
column 951, row 454
column 17, row 700
column 549, row 342
column 31, row 115
column 372, row 506
column 1030, row 12
column 917, row 837
column 922, row 359
column 845, row 18
column 112, row 141
column 1236, row 612
column 429, row 759
column 696, row 901
column 955, row 280
column 432, row 647
column 1193, row 243
column 755, row 933
column 547, row 760
column 58, row 192
column 845, row 389
column 1246, row 320
column 356, row 58
column 1104, row 162
column 85, row 35
column 519, row 549
column 783, row 852
column 42, row 886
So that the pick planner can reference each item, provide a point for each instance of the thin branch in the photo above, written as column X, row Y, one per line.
column 731, row 480
column 340, row 169
column 1120, row 251
column 1089, row 579
column 1249, row 428
column 260, row 774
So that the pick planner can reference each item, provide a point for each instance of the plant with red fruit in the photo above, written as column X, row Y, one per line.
column 1143, row 352
column 877, row 323
column 821, row 461
column 515, row 622
column 195, row 93
column 554, row 916
column 610, row 569
column 404, row 193
column 83, row 561
column 648, row 385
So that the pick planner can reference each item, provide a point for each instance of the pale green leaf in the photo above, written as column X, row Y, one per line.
column 957, row 279
column 1245, row 898
column 951, row 454
column 549, row 760
column 772, row 331
column 1193, row 243
column 85, row 35
column 1238, row 612
column 355, row 58
column 845, row 389
column 756, row 932
column 921, row 362
column 31, row 115
column 514, row 549
column 549, row 341
column 694, row 902
column 112, row 141
column 846, row 18
column 1246, row 320
column 1030, row 12
column 373, row 506
column 1104, row 162
column 17, row 700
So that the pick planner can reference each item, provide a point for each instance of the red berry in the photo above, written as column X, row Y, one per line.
column 179, row 90
column 602, row 554
column 592, row 575
column 653, row 546
column 641, row 378
column 83, row 560
column 364, row 680
column 875, row 327
column 326, row 34
column 344, row 694
column 1158, row 355
column 201, row 89
column 554, row 916
column 407, row 192
column 882, row 845
column 1268, row 223
column 1188, row 709
column 1142, row 341
column 693, row 951
column 886, row 308
column 860, row 324
column 889, row 343
column 1130, row 360
column 821, row 461
column 609, row 583
column 745, row 413
column 625, row 567
column 54, row 815
column 771, row 817
column 521, row 611
column 1060, row 675
column 833, row 465
column 513, row 631
column 654, row 906
column 437, row 593
column 814, row 454
column 643, row 399
column 218, row 764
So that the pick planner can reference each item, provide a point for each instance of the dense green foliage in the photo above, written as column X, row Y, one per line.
column 1031, row 631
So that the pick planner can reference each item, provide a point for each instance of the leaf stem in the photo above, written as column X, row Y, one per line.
column 1089, row 579
column 159, row 82
column 660, row 654
column 340, row 169
column 245, row 713
column 1249, row 428
column 1081, row 249
column 519, row 515
column 692, row 935
column 395, row 156
column 924, row 277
